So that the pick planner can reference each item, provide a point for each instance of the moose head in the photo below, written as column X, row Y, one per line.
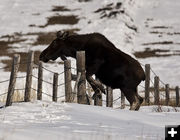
column 56, row 48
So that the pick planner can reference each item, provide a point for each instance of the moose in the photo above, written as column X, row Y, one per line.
column 110, row 65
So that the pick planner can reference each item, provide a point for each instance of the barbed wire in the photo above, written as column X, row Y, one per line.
column 47, row 93
column 5, row 67
column 27, row 62
column 42, row 92
column 61, row 96
column 4, row 81
column 141, row 86
column 21, row 77
column 3, row 93
column 49, row 70
column 20, row 89
column 43, row 80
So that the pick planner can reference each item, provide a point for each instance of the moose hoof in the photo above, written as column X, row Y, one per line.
column 135, row 107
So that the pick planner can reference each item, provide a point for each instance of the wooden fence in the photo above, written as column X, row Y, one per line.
column 78, row 93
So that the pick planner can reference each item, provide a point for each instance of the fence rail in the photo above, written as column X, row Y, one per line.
column 78, row 92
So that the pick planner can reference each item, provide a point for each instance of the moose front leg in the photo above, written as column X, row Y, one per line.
column 91, row 68
column 96, row 85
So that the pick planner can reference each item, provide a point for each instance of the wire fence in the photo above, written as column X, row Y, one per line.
column 152, row 93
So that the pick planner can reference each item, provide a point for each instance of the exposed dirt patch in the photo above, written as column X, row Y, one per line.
column 59, row 19
column 23, row 60
column 149, row 19
column 46, row 38
column 164, row 33
column 71, row 20
column 60, row 9
column 161, row 27
column 36, row 14
column 6, row 47
column 131, row 27
column 84, row 0
column 110, row 10
column 159, row 43
column 156, row 53
column 43, row 38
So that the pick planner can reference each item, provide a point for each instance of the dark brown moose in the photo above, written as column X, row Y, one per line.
column 110, row 65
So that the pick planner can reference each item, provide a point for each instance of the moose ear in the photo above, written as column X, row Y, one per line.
column 62, row 35
column 59, row 34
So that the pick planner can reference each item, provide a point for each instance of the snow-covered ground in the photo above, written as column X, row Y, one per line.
column 58, row 121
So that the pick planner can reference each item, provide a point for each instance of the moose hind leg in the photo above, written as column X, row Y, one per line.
column 134, row 99
column 140, row 100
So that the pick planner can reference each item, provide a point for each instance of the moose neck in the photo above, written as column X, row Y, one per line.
column 75, row 43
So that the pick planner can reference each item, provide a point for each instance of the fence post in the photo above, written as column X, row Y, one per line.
column 40, row 80
column 167, row 94
column 147, row 83
column 29, row 76
column 177, row 96
column 68, row 78
column 156, row 90
column 14, row 70
column 98, row 97
column 122, row 100
column 55, row 87
column 89, row 93
column 81, row 95
column 109, row 97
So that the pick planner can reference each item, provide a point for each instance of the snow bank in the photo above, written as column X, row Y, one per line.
column 49, row 120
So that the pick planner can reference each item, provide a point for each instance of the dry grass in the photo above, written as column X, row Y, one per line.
column 19, row 96
column 155, row 53
column 162, row 102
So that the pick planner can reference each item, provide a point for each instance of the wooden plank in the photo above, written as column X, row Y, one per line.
column 14, row 70
column 167, row 94
column 109, row 97
column 156, row 90
column 30, row 64
column 147, row 83
column 55, row 87
column 40, row 81
column 68, row 78
column 122, row 100
column 177, row 96
column 81, row 95
column 98, row 97
column 89, row 94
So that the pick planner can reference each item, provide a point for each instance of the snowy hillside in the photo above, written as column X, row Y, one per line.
column 60, row 121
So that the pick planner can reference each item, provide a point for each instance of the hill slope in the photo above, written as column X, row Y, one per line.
column 48, row 120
